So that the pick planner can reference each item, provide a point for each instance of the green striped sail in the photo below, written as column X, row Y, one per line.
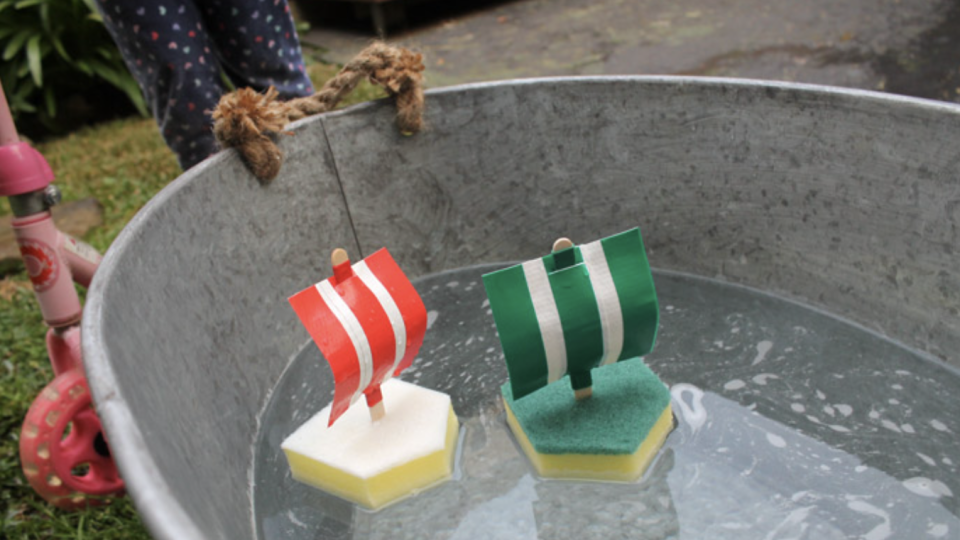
column 574, row 310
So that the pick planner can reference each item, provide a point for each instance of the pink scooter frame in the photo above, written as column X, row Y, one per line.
column 63, row 452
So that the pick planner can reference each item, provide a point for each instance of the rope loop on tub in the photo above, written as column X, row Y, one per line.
column 251, row 122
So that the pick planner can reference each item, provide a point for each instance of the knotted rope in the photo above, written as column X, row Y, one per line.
column 250, row 122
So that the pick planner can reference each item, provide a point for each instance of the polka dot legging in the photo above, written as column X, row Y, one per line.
column 179, row 51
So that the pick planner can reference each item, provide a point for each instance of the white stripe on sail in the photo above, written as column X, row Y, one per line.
column 352, row 326
column 389, row 306
column 548, row 317
column 611, row 318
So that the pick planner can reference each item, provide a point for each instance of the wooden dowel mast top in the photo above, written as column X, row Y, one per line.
column 339, row 256
column 561, row 244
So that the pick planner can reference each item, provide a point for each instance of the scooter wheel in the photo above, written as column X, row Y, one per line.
column 63, row 451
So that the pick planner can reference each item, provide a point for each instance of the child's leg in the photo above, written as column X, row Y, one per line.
column 166, row 46
column 258, row 45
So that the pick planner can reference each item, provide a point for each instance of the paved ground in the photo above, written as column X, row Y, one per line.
column 903, row 46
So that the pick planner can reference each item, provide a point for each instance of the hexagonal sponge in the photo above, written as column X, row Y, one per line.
column 612, row 436
column 376, row 463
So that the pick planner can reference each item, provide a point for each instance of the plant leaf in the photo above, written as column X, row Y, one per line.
column 132, row 89
column 24, row 90
column 45, row 17
column 33, row 58
column 26, row 3
column 105, row 72
column 58, row 45
column 84, row 67
column 51, row 101
column 24, row 106
column 16, row 42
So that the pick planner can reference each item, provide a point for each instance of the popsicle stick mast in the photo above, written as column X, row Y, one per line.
column 560, row 245
column 342, row 271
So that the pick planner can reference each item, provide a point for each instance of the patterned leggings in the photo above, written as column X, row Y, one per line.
column 179, row 51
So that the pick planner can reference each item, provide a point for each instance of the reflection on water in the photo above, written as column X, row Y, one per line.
column 793, row 424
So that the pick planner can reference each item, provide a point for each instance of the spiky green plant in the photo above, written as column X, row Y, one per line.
column 51, row 49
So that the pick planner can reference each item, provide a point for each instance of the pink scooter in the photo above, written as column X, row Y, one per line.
column 63, row 451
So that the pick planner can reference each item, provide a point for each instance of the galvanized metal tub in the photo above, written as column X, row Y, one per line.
column 842, row 199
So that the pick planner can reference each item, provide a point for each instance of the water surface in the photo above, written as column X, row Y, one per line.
column 794, row 424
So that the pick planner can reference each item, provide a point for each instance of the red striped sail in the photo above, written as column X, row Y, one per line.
column 369, row 323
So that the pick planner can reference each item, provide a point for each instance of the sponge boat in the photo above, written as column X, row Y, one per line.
column 369, row 322
column 574, row 325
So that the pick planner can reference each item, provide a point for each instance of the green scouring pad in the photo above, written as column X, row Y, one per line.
column 612, row 435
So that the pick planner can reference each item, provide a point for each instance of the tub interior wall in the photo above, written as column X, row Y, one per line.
column 828, row 198
column 201, row 308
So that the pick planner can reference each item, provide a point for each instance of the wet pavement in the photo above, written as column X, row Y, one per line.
column 909, row 47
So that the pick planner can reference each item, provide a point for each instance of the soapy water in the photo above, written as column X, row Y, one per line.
column 793, row 424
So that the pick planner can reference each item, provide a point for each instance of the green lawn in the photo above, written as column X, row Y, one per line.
column 123, row 164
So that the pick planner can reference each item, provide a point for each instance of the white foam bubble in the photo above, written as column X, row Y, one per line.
column 926, row 487
column 843, row 409
column 693, row 413
column 797, row 407
column 453, row 284
column 762, row 349
column 295, row 521
column 881, row 531
column 795, row 517
column 938, row 425
column 938, row 530
column 890, row 425
column 927, row 459
column 762, row 378
column 432, row 318
column 735, row 384
column 776, row 440
column 907, row 428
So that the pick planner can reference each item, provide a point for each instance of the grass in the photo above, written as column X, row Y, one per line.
column 123, row 164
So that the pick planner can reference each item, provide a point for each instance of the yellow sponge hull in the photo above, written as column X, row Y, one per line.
column 376, row 463
column 387, row 487
column 614, row 468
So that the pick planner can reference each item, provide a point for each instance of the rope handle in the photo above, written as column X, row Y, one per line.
column 250, row 122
